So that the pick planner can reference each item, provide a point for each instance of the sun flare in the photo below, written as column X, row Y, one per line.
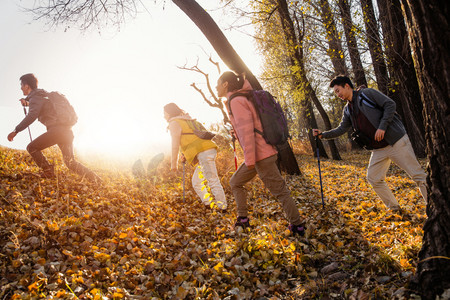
column 120, row 135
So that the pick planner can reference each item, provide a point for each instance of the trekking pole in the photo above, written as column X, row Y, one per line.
column 235, row 155
column 184, row 173
column 320, row 174
column 29, row 131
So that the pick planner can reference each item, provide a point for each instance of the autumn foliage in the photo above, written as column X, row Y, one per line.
column 134, row 238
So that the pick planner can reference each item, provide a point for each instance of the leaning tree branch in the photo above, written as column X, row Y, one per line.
column 204, row 96
column 216, row 103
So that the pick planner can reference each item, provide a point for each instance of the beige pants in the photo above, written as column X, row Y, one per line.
column 402, row 154
column 207, row 165
column 268, row 172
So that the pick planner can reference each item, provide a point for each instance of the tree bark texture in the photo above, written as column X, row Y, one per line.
column 428, row 23
column 375, row 48
column 217, row 39
column 403, row 87
column 355, row 58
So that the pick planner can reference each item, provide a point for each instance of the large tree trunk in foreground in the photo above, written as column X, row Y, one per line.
column 217, row 39
column 428, row 24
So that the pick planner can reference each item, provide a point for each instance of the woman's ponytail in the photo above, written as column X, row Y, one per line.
column 235, row 82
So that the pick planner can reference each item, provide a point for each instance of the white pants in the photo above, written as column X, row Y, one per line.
column 402, row 154
column 207, row 165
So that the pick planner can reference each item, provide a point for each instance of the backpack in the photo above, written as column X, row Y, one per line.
column 65, row 113
column 275, row 130
column 357, row 135
column 199, row 130
column 366, row 101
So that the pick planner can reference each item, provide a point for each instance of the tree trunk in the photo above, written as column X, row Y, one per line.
column 355, row 58
column 335, row 51
column 217, row 39
column 404, row 88
column 302, row 80
column 333, row 148
column 373, row 41
column 428, row 24
column 308, row 115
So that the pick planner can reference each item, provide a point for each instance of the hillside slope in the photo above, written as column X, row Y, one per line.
column 137, row 239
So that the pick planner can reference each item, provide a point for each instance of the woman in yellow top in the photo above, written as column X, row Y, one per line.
column 196, row 151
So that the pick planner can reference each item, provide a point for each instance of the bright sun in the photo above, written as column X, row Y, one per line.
column 120, row 135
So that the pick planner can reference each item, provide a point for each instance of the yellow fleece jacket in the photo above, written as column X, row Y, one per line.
column 189, row 144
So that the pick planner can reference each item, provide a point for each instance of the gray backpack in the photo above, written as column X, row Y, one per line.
column 65, row 112
column 199, row 130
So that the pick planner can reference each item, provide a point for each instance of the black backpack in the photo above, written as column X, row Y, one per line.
column 275, row 129
column 65, row 113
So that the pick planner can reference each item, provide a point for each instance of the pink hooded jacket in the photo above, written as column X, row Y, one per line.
column 245, row 119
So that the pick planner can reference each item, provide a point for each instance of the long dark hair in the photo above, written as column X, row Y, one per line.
column 235, row 81
column 173, row 110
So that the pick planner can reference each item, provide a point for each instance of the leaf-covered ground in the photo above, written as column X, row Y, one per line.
column 137, row 239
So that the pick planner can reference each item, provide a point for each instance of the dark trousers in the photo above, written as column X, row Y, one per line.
column 63, row 137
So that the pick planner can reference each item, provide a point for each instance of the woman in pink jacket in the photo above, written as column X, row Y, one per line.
column 260, row 157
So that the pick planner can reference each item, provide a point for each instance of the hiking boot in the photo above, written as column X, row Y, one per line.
column 297, row 229
column 47, row 173
column 243, row 222
column 395, row 209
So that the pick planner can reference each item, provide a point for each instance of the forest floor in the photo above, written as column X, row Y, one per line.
column 136, row 238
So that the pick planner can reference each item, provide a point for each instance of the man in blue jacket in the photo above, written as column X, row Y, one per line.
column 42, row 109
column 372, row 114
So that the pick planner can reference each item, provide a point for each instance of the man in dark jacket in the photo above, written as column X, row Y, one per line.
column 373, row 113
column 42, row 109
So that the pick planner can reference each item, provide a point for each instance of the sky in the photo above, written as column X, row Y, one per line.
column 117, row 81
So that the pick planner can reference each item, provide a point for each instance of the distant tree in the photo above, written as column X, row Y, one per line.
column 294, row 40
column 335, row 50
column 428, row 23
column 375, row 45
column 352, row 45
column 403, row 86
